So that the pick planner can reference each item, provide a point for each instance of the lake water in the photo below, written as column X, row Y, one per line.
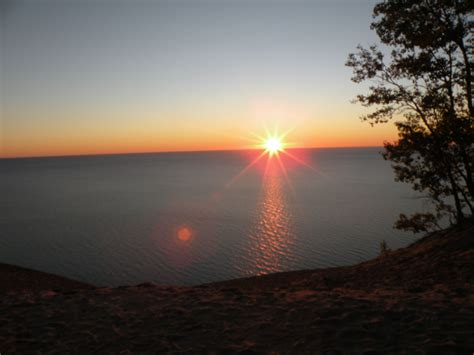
column 189, row 218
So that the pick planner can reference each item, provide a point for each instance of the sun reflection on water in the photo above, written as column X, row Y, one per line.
column 272, row 235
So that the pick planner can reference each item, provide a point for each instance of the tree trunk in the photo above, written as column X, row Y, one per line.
column 457, row 201
column 467, row 77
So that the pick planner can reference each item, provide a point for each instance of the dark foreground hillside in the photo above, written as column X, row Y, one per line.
column 417, row 298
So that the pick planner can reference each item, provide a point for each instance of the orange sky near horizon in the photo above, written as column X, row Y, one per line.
column 72, row 148
column 191, row 130
column 186, row 141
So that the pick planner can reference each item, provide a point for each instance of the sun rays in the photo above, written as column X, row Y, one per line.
column 274, row 146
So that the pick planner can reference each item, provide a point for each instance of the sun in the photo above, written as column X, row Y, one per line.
column 273, row 145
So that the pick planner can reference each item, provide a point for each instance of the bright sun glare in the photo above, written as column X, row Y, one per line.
column 273, row 145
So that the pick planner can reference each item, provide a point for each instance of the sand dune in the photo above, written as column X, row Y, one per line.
column 418, row 298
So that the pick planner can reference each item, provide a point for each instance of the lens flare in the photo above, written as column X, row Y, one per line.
column 184, row 234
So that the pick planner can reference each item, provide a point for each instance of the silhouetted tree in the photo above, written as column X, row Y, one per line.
column 423, row 79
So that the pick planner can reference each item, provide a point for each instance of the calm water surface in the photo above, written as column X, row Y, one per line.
column 188, row 218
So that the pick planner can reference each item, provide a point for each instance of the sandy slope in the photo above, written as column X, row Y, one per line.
column 19, row 279
column 417, row 298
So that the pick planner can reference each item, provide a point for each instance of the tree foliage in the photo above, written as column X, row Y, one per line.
column 423, row 80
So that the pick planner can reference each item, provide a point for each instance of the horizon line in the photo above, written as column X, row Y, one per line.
column 175, row 152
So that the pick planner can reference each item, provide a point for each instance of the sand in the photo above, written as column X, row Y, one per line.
column 14, row 279
column 414, row 300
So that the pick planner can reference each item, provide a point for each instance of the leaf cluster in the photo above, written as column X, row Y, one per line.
column 424, row 82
